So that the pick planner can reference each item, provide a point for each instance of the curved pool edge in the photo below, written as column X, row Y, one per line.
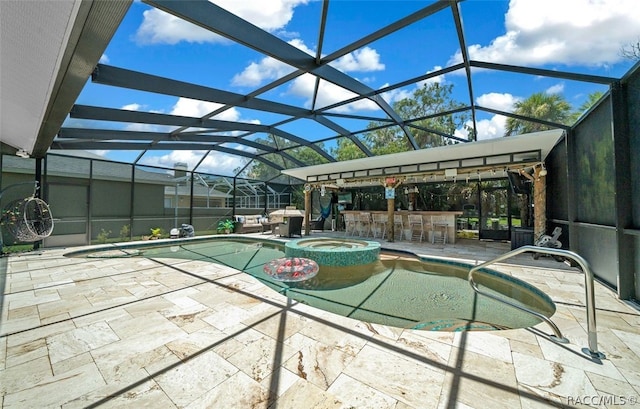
column 280, row 242
column 93, row 248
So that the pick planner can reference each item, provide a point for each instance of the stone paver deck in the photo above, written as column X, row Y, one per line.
column 164, row 333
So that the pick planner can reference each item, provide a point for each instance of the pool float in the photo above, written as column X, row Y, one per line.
column 291, row 269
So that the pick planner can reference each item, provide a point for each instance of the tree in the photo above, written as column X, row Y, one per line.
column 547, row 107
column 430, row 99
column 631, row 51
column 591, row 101
column 261, row 171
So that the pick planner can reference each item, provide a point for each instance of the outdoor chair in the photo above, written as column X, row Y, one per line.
column 416, row 226
column 292, row 225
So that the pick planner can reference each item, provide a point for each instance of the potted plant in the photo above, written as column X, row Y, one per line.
column 226, row 226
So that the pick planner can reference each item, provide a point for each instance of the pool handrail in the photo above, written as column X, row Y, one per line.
column 592, row 350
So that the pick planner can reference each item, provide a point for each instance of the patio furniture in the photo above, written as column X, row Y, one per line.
column 364, row 224
column 349, row 224
column 416, row 226
column 398, row 226
column 292, row 225
column 379, row 224
column 439, row 229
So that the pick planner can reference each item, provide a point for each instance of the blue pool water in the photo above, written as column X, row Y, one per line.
column 398, row 289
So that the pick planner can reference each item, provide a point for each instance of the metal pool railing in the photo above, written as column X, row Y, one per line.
column 592, row 350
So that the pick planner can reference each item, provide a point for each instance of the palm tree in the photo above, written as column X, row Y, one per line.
column 591, row 101
column 548, row 107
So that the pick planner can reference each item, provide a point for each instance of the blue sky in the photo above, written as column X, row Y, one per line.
column 582, row 36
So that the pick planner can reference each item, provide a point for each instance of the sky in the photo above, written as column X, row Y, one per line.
column 584, row 36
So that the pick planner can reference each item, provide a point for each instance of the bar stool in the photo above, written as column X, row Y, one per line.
column 379, row 224
column 364, row 224
column 416, row 226
column 349, row 224
column 398, row 225
column 439, row 229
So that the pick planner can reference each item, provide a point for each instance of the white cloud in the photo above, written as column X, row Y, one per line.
column 495, row 126
column 555, row 89
column 502, row 102
column 256, row 73
column 132, row 107
column 104, row 59
column 570, row 32
column 363, row 60
column 196, row 108
column 487, row 128
column 439, row 79
column 218, row 163
column 159, row 27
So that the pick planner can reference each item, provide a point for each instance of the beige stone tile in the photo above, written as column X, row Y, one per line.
column 262, row 356
column 187, row 382
column 618, row 352
column 355, row 394
column 526, row 348
column 19, row 324
column 402, row 379
column 484, row 343
column 19, row 354
column 25, row 375
column 23, row 312
column 306, row 395
column 478, row 381
column 108, row 315
column 225, row 395
column 279, row 381
column 339, row 337
column 57, row 390
column 417, row 343
column 570, row 355
column 535, row 398
column 145, row 395
column 39, row 332
column 198, row 341
column 227, row 316
column 551, row 377
column 611, row 387
column 80, row 340
column 3, row 353
column 318, row 364
column 72, row 305
column 276, row 323
column 71, row 363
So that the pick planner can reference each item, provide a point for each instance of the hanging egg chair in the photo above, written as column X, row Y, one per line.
column 28, row 220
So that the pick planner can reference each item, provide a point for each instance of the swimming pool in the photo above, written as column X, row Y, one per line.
column 398, row 289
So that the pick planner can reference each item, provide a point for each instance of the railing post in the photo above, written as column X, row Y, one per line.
column 592, row 332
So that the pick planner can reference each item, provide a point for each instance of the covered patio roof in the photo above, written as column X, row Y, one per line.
column 481, row 159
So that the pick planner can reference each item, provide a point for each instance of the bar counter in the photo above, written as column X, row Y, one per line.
column 447, row 217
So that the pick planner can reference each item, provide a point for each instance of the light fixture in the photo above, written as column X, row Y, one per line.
column 543, row 171
column 323, row 191
column 22, row 153
column 406, row 191
column 416, row 190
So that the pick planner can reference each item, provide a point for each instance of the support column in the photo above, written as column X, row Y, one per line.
column 307, row 210
column 390, row 224
column 539, row 203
